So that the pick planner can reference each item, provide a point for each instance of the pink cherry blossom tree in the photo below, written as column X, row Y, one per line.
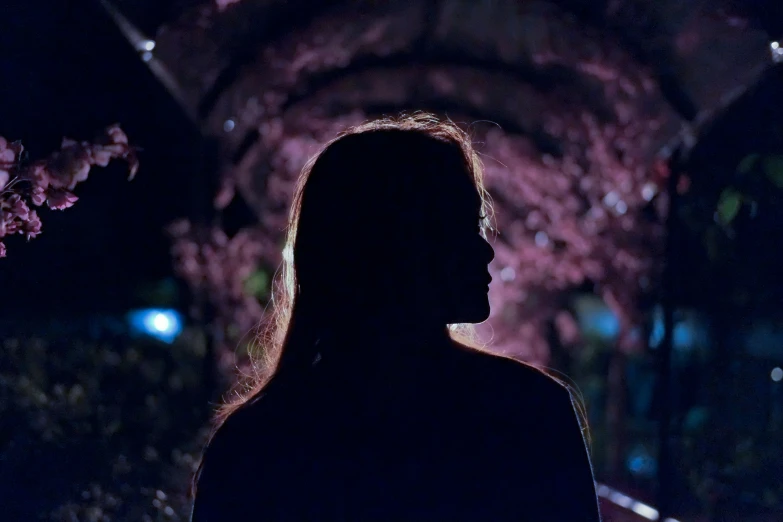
column 573, row 167
column 52, row 180
column 222, row 271
column 588, row 212
column 576, row 164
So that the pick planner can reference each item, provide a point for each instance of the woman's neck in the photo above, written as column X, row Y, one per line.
column 377, row 346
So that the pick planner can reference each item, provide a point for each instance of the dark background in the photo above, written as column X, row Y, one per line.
column 67, row 71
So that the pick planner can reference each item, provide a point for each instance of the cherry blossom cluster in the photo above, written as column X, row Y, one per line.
column 590, row 215
column 563, row 221
column 590, row 212
column 576, row 176
column 223, row 4
column 218, row 267
column 52, row 180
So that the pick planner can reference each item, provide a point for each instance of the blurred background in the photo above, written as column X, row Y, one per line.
column 633, row 148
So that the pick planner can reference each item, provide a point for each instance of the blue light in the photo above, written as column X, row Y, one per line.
column 600, row 322
column 597, row 320
column 640, row 462
column 688, row 333
column 161, row 324
column 683, row 335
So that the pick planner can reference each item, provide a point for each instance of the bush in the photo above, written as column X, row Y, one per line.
column 99, row 430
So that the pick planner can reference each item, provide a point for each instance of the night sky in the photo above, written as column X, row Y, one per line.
column 67, row 71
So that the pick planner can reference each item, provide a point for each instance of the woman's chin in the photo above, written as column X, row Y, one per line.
column 477, row 313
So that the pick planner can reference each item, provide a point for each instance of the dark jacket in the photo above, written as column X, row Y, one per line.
column 482, row 438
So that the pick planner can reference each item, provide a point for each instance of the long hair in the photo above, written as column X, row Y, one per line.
column 301, row 297
column 337, row 203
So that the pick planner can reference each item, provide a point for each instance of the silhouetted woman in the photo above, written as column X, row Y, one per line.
column 379, row 405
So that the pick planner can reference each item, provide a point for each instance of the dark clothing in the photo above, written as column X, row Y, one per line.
column 482, row 438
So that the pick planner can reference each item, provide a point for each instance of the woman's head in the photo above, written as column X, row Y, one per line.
column 389, row 219
column 388, row 226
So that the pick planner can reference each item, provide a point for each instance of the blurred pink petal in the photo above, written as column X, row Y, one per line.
column 38, row 175
column 101, row 156
column 79, row 173
column 60, row 199
column 133, row 163
column 38, row 196
column 17, row 207
column 68, row 167
column 567, row 328
column 224, row 195
column 32, row 226
column 7, row 156
column 222, row 4
column 116, row 134
column 179, row 227
column 11, row 225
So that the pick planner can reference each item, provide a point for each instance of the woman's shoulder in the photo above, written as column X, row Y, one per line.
column 228, row 480
column 238, row 442
column 520, row 395
column 506, row 385
column 230, row 434
column 271, row 406
column 509, row 373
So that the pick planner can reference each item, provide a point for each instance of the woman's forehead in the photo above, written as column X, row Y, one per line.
column 462, row 196
column 452, row 205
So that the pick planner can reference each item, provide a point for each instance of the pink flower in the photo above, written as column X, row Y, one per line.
column 7, row 156
column 101, row 156
column 12, row 226
column 32, row 226
column 70, row 166
column 113, row 144
column 212, row 263
column 224, row 195
column 38, row 196
column 133, row 164
column 116, row 134
column 9, row 153
column 2, row 249
column 60, row 199
column 53, row 179
column 38, row 176
column 18, row 207
column 222, row 4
